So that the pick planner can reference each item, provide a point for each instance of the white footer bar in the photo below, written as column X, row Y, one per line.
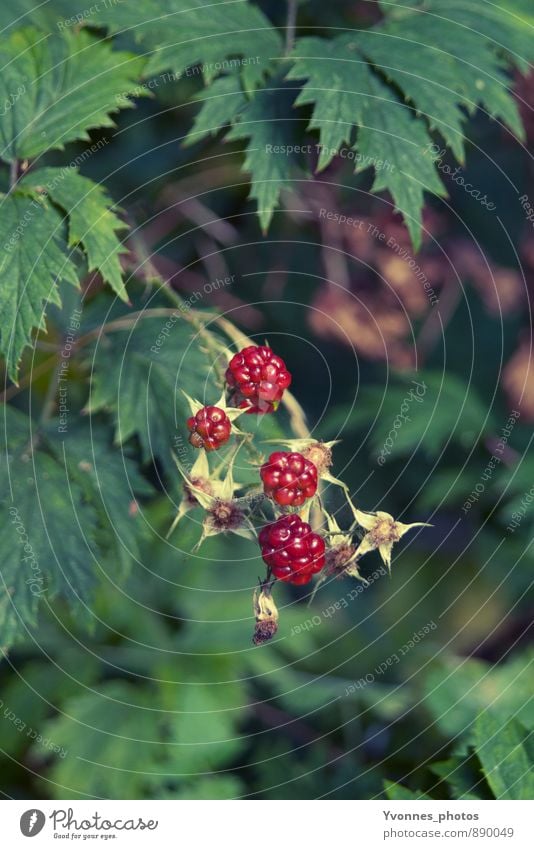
column 267, row 824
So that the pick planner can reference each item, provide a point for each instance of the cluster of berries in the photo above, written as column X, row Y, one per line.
column 257, row 379
column 292, row 551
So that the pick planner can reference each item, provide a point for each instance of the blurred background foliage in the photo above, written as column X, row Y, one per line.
column 151, row 687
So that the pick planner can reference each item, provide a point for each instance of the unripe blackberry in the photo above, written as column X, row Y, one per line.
column 292, row 550
column 210, row 428
column 258, row 379
column 288, row 478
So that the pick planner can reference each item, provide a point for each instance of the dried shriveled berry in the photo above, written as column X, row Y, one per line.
column 320, row 455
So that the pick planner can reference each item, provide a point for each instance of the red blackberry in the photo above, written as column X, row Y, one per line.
column 288, row 478
column 210, row 428
column 258, row 378
column 291, row 549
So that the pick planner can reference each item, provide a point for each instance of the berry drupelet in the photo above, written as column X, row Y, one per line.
column 257, row 378
column 288, row 478
column 292, row 551
column 210, row 428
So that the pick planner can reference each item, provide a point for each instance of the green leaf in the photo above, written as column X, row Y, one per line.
column 92, row 223
column 47, row 548
column 268, row 125
column 54, row 89
column 111, row 741
column 70, row 505
column 397, row 143
column 48, row 17
column 463, row 775
column 458, row 690
column 138, row 375
column 438, row 80
column 111, row 482
column 506, row 752
column 34, row 259
column 221, row 102
column 425, row 74
column 505, row 25
column 338, row 84
column 396, row 792
column 185, row 33
column 347, row 92
column 449, row 486
column 175, row 34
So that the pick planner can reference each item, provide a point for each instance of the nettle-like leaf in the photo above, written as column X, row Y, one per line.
column 91, row 221
column 457, row 693
column 506, row 753
column 346, row 91
column 505, row 25
column 174, row 34
column 221, row 103
column 184, row 33
column 34, row 259
column 55, row 88
column 399, row 793
column 47, row 547
column 137, row 375
column 463, row 775
column 68, row 498
column 40, row 249
column 267, row 121
column 439, row 79
column 111, row 483
column 381, row 92
column 269, row 126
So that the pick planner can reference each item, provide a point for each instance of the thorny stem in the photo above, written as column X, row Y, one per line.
column 291, row 25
